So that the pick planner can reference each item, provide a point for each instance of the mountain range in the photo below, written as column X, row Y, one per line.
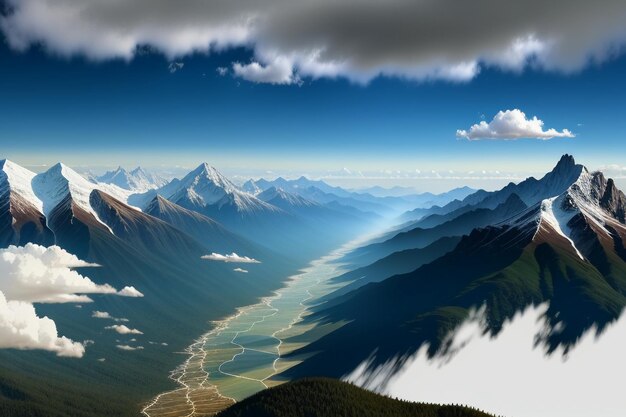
column 563, row 245
column 559, row 240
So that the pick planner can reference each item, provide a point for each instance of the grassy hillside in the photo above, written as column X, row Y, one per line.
column 322, row 397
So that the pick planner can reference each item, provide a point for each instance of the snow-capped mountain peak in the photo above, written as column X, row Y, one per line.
column 251, row 187
column 60, row 182
column 19, row 180
column 591, row 203
column 138, row 179
column 205, row 186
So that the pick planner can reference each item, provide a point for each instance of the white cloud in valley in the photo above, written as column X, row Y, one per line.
column 122, row 329
column 130, row 292
column 512, row 125
column 106, row 316
column 37, row 274
column 230, row 258
column 355, row 39
column 128, row 347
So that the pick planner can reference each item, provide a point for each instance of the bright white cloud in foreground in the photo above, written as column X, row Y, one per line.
column 232, row 258
column 243, row 271
column 357, row 39
column 130, row 292
column 21, row 328
column 511, row 125
column 36, row 274
column 121, row 329
column 501, row 375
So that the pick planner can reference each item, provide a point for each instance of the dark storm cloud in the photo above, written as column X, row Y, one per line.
column 358, row 39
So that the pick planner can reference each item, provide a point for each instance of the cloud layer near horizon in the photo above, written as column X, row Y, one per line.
column 512, row 125
column 357, row 39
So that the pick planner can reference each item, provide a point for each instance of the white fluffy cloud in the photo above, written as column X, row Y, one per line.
column 121, row 329
column 233, row 257
column 130, row 292
column 243, row 271
column 21, row 328
column 106, row 316
column 101, row 315
column 36, row 274
column 511, row 125
column 357, row 39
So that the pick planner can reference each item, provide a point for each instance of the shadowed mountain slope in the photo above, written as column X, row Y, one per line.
column 566, row 251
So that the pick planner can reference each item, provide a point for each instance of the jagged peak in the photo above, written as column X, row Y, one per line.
column 566, row 160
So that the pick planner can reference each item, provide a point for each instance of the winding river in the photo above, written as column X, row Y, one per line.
column 240, row 354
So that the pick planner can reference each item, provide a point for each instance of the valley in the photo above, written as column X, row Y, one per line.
column 241, row 354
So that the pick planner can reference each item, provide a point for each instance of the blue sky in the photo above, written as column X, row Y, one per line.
column 129, row 111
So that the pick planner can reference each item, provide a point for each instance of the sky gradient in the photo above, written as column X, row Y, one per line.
column 142, row 110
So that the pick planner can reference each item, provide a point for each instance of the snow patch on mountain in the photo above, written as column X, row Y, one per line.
column 552, row 212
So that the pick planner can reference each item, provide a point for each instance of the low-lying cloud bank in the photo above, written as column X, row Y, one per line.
column 36, row 274
column 508, row 376
column 355, row 39
column 512, row 125
column 232, row 258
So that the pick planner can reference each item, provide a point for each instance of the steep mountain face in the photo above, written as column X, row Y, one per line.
column 251, row 187
column 21, row 216
column 205, row 230
column 531, row 191
column 54, row 185
column 567, row 250
column 421, row 237
column 141, row 230
column 137, row 180
column 397, row 263
column 206, row 190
